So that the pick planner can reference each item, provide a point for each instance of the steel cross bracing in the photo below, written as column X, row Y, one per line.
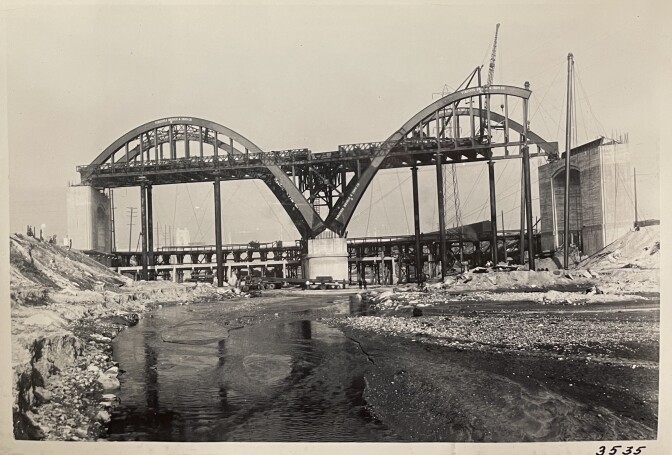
column 187, row 149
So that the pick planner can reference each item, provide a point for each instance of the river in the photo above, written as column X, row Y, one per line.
column 270, row 369
column 191, row 376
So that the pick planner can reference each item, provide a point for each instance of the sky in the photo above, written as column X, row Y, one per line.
column 315, row 76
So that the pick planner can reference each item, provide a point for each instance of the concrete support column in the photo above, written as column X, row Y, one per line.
column 218, row 233
column 416, row 222
column 143, row 233
column 442, row 216
column 493, row 211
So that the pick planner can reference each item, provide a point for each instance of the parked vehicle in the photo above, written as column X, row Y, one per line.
column 201, row 276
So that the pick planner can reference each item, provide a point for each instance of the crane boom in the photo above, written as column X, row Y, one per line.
column 491, row 69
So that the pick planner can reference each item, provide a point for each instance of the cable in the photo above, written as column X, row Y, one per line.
column 403, row 204
column 174, row 211
column 366, row 233
column 387, row 218
column 198, row 225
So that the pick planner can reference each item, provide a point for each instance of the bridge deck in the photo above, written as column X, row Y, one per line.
column 351, row 158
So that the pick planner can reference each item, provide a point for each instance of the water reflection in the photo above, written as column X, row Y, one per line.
column 296, row 381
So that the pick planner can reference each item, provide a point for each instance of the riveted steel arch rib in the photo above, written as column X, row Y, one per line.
column 551, row 148
column 340, row 215
column 302, row 213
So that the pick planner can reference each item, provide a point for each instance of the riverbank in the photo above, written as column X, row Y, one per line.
column 65, row 311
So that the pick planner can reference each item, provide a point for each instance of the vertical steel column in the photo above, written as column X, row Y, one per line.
column 112, row 223
column 493, row 211
column 156, row 144
column 522, row 211
column 171, row 142
column 480, row 107
column 506, row 124
column 143, row 229
column 528, row 207
column 215, row 144
column 150, row 231
column 472, row 125
column 142, row 156
column 528, row 185
column 186, row 141
column 416, row 223
column 442, row 216
column 200, row 141
column 218, row 233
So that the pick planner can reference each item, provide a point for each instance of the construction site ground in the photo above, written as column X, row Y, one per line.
column 491, row 356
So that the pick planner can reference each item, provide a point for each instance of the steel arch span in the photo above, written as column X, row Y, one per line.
column 415, row 135
column 143, row 148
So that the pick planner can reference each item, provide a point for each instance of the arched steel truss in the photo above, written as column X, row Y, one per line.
column 438, row 114
column 146, row 140
column 344, row 175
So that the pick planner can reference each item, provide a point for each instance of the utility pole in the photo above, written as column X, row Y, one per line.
column 568, row 149
column 504, row 238
column 635, row 178
column 131, row 214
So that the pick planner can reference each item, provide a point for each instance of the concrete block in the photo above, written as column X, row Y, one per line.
column 89, row 225
column 327, row 257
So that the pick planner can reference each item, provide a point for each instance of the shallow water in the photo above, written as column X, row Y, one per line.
column 189, row 378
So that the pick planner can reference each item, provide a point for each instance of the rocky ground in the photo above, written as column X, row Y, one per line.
column 66, row 309
column 590, row 334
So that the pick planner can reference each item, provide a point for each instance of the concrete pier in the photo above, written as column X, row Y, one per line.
column 88, row 212
column 327, row 257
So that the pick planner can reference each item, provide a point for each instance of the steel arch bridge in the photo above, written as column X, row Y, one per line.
column 302, row 180
column 459, row 127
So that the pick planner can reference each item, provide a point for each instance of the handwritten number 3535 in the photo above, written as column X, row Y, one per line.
column 614, row 450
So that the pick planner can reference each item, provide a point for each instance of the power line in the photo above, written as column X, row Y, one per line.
column 131, row 215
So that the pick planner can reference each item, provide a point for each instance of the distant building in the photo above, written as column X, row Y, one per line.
column 601, row 196
column 182, row 237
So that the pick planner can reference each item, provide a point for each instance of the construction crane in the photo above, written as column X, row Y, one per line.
column 493, row 56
